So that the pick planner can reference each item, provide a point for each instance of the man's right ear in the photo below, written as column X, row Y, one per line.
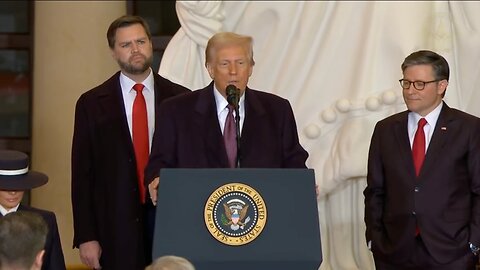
column 37, row 264
column 112, row 53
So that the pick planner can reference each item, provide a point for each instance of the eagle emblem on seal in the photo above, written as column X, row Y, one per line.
column 236, row 215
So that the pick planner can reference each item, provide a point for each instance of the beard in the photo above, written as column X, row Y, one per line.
column 136, row 69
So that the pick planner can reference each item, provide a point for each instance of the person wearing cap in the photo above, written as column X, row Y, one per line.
column 15, row 179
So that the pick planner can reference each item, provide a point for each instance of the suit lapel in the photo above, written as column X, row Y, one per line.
column 112, row 106
column 254, row 122
column 439, row 139
column 206, row 122
column 404, row 148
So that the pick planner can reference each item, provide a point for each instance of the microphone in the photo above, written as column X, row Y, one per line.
column 233, row 95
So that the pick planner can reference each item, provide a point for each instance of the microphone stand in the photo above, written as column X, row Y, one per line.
column 233, row 98
column 237, row 124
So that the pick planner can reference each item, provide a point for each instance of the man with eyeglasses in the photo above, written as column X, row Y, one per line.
column 422, row 200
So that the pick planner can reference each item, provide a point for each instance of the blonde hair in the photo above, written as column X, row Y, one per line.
column 225, row 39
column 170, row 262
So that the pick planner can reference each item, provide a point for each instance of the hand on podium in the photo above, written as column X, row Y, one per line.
column 153, row 189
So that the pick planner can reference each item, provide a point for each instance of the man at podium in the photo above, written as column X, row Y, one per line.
column 226, row 124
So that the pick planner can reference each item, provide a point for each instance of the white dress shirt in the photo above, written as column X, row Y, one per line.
column 222, row 110
column 431, row 118
column 5, row 211
column 129, row 96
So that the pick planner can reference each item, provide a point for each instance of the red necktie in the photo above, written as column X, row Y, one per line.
column 230, row 137
column 418, row 152
column 418, row 148
column 140, row 136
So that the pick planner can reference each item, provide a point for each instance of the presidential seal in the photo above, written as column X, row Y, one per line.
column 235, row 214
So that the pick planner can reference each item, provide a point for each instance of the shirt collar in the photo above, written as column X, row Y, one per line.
column 222, row 102
column 5, row 211
column 128, row 83
column 431, row 118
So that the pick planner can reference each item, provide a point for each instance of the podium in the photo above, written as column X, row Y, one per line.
column 239, row 218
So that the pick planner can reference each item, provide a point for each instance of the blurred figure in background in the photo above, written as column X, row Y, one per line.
column 170, row 263
column 22, row 241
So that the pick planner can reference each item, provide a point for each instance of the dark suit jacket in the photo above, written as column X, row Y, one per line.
column 445, row 198
column 105, row 196
column 189, row 135
column 53, row 258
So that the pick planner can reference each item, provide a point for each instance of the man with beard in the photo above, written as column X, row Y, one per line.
column 113, row 221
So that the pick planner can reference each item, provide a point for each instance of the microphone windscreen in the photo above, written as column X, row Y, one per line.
column 232, row 94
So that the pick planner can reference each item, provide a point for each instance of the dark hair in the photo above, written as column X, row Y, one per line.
column 22, row 237
column 125, row 21
column 441, row 71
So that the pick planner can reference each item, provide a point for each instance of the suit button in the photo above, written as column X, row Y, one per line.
column 417, row 189
column 413, row 213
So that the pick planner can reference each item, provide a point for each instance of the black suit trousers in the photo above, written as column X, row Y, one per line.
column 422, row 260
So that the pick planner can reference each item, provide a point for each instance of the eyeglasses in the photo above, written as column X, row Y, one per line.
column 419, row 85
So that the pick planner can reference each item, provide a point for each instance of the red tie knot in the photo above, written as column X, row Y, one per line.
column 138, row 87
column 422, row 122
